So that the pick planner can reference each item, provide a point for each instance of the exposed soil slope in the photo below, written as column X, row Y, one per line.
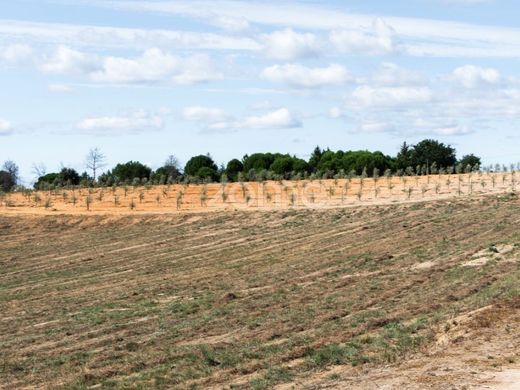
column 341, row 298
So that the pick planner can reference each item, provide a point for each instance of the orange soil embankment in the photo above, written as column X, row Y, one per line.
column 269, row 195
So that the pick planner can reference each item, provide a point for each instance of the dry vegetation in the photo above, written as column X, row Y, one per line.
column 411, row 296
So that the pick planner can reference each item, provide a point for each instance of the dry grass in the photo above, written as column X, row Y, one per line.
column 242, row 300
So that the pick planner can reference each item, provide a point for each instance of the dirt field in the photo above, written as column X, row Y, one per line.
column 269, row 195
column 422, row 295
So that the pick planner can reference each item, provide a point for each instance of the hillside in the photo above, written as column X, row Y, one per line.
column 419, row 295
column 267, row 195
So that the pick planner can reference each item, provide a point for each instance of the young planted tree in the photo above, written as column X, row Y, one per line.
column 179, row 199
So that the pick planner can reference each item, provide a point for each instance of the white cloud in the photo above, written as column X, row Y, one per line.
column 471, row 76
column 59, row 88
column 418, row 36
column 230, row 24
column 376, row 127
column 204, row 114
column 453, row 130
column 299, row 76
column 135, row 122
column 439, row 126
column 380, row 39
column 336, row 113
column 118, row 37
column 5, row 127
column 289, row 45
column 17, row 53
column 67, row 60
column 390, row 74
column 390, row 97
column 155, row 65
column 279, row 119
column 217, row 119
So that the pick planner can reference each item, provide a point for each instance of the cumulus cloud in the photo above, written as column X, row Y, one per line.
column 376, row 127
column 67, row 60
column 5, row 127
column 217, row 119
column 155, row 65
column 17, row 54
column 380, row 39
column 390, row 74
column 204, row 114
column 290, row 45
column 134, row 122
column 299, row 76
column 471, row 76
column 230, row 24
column 372, row 97
column 279, row 119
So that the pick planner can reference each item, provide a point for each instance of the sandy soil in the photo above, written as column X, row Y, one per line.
column 252, row 196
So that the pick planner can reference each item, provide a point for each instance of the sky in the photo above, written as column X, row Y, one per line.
column 142, row 80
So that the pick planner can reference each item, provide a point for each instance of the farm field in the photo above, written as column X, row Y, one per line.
column 422, row 295
column 268, row 195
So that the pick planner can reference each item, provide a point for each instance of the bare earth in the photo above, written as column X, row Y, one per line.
column 402, row 294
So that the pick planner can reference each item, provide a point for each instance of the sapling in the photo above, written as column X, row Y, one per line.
column 408, row 191
column 132, row 204
column 88, row 202
column 247, row 199
column 179, row 197
column 48, row 203
column 158, row 199
column 37, row 199
column 268, row 196
column 292, row 199
column 116, row 200
column 74, row 199
column 244, row 189
column 141, row 197
column 437, row 188
column 424, row 190
column 376, row 190
column 100, row 196
column 203, row 196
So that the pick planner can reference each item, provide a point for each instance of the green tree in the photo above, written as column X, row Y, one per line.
column 7, row 181
column 196, row 163
column 471, row 160
column 130, row 170
column 429, row 151
column 259, row 161
column 233, row 168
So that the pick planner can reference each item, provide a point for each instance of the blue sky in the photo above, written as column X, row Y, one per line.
column 145, row 79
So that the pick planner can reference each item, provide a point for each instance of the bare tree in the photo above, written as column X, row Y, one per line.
column 171, row 168
column 39, row 169
column 95, row 160
column 11, row 168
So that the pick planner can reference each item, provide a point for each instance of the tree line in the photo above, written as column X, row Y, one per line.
column 426, row 157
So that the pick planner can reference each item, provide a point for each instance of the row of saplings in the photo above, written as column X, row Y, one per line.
column 74, row 196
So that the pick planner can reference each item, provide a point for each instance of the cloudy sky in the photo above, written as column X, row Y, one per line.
column 145, row 79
